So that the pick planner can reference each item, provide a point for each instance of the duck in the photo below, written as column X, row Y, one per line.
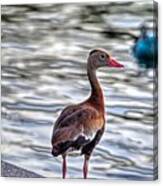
column 145, row 48
column 80, row 126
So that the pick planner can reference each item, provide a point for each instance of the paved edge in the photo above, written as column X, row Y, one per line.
column 9, row 170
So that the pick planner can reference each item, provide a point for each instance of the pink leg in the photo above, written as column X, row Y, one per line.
column 64, row 167
column 85, row 167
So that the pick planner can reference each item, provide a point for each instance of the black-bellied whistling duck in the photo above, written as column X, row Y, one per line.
column 80, row 126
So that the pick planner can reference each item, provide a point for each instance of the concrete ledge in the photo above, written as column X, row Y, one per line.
column 9, row 170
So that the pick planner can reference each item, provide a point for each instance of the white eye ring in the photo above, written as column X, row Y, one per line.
column 102, row 56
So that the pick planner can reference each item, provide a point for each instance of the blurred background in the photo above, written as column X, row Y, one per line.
column 44, row 55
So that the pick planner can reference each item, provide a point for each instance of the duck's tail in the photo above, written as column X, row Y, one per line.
column 62, row 147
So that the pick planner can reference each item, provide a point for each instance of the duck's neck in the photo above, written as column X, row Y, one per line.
column 96, row 98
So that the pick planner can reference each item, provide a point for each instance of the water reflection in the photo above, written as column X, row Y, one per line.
column 44, row 52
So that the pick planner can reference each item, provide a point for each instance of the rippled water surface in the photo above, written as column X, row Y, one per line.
column 44, row 53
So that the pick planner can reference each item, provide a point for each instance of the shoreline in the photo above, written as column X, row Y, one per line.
column 10, row 170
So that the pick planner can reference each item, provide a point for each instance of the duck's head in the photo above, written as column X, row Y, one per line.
column 100, row 58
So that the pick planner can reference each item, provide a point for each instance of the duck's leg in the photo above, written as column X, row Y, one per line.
column 85, row 166
column 64, row 167
column 88, row 148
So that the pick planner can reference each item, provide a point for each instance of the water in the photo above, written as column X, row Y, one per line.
column 44, row 53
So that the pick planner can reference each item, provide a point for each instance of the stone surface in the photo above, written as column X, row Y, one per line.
column 9, row 170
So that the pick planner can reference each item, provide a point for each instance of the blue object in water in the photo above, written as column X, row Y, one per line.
column 145, row 49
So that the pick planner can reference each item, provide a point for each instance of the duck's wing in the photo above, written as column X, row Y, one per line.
column 71, row 127
column 64, row 114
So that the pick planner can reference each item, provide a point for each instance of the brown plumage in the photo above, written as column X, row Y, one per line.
column 80, row 126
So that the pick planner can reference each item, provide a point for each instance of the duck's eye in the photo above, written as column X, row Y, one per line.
column 102, row 56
